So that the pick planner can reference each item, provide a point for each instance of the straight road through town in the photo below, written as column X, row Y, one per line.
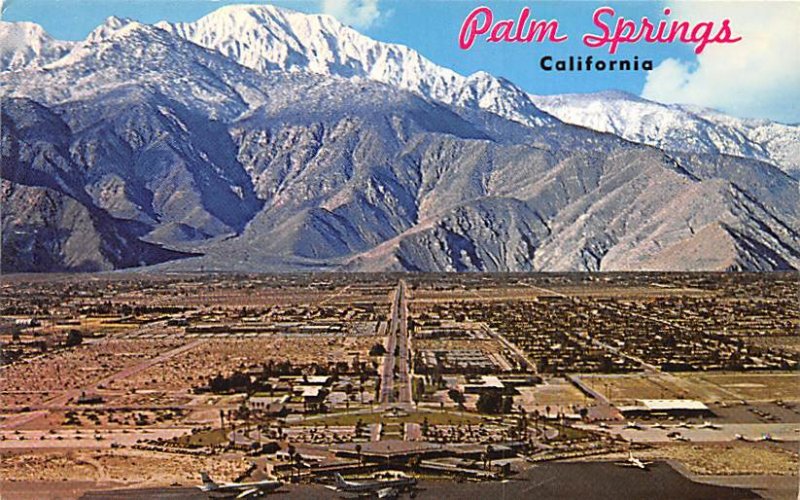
column 395, row 377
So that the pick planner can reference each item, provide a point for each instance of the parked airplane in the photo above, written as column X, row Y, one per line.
column 633, row 425
column 390, row 488
column 658, row 425
column 237, row 490
column 634, row 462
column 708, row 425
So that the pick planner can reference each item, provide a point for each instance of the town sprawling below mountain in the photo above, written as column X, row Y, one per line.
column 261, row 139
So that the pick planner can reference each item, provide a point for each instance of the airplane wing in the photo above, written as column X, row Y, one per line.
column 251, row 493
column 387, row 493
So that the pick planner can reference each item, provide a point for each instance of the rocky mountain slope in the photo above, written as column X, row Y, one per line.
column 174, row 144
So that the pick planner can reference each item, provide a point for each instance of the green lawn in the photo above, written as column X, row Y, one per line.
column 434, row 418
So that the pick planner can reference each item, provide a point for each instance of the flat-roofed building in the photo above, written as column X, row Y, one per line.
column 667, row 407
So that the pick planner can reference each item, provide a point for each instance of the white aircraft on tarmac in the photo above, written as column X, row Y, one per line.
column 634, row 462
column 390, row 488
column 237, row 490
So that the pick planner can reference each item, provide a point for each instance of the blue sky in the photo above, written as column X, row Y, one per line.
column 431, row 27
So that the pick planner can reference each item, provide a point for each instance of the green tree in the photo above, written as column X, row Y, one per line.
column 377, row 350
column 74, row 338
column 508, row 404
column 490, row 402
column 418, row 388
column 457, row 396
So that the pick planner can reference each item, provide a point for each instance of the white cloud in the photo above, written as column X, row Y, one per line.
column 360, row 14
column 758, row 76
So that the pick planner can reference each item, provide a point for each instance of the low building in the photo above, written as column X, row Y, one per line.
column 269, row 406
column 323, row 380
column 667, row 407
column 489, row 383
column 313, row 396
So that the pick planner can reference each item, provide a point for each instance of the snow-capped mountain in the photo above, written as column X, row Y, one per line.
column 27, row 44
column 679, row 128
column 266, row 38
column 139, row 141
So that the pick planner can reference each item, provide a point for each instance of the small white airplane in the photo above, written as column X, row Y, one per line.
column 658, row 425
column 634, row 462
column 709, row 425
column 683, row 425
column 237, row 490
column 633, row 425
column 389, row 488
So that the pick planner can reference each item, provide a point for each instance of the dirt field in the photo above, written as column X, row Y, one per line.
column 197, row 366
column 151, row 468
column 789, row 343
column 556, row 393
column 727, row 458
column 74, row 368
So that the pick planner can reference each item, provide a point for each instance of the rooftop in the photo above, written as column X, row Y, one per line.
column 672, row 404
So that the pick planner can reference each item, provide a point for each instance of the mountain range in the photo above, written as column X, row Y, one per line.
column 261, row 139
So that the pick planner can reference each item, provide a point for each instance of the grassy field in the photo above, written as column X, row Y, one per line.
column 706, row 386
column 751, row 386
column 628, row 388
column 434, row 418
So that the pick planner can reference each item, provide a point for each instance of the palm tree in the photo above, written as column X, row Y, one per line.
column 292, row 451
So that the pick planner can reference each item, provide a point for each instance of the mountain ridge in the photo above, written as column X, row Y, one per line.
column 181, row 153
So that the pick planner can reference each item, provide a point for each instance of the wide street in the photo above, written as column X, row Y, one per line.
column 395, row 376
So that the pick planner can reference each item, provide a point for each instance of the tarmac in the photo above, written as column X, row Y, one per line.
column 589, row 481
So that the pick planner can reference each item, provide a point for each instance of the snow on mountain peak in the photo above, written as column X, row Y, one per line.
column 24, row 44
column 678, row 128
column 110, row 26
column 267, row 38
